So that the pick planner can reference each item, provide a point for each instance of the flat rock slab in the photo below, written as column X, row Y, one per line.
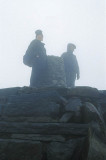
column 65, row 151
column 44, row 128
column 20, row 150
column 84, row 91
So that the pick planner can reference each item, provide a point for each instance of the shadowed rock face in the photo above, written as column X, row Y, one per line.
column 52, row 123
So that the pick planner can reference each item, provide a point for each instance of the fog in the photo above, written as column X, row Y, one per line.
column 81, row 22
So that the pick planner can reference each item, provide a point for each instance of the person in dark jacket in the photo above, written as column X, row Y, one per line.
column 36, row 58
column 70, row 65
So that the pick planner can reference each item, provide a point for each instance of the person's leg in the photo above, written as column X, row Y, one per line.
column 33, row 78
column 70, row 80
column 37, row 77
column 72, row 83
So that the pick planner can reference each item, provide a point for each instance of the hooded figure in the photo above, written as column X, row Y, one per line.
column 70, row 65
column 36, row 58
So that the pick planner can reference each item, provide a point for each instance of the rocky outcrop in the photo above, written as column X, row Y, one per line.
column 52, row 123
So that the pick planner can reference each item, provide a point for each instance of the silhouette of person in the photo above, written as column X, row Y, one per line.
column 70, row 65
column 36, row 58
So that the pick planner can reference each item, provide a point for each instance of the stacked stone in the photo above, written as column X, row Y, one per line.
column 54, row 74
column 52, row 124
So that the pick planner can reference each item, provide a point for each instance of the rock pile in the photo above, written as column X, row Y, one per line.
column 52, row 123
column 54, row 74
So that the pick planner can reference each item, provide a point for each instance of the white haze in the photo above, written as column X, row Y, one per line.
column 81, row 22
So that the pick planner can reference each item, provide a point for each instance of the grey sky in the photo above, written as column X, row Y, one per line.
column 78, row 21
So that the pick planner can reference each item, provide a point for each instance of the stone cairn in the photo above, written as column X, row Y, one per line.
column 52, row 123
column 54, row 74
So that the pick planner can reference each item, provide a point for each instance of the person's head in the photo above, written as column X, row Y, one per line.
column 70, row 47
column 39, row 35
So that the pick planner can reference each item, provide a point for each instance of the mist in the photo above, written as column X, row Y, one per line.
column 81, row 22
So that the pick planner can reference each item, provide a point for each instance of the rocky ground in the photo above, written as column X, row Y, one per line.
column 52, row 123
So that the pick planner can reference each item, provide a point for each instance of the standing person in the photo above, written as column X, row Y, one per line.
column 36, row 58
column 70, row 65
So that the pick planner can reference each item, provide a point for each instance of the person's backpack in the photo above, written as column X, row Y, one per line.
column 27, row 60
